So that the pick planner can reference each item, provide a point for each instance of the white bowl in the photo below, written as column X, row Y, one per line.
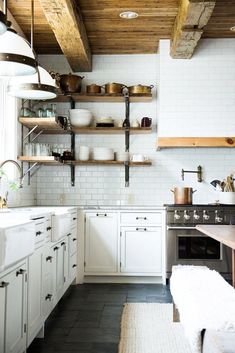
column 103, row 154
column 80, row 117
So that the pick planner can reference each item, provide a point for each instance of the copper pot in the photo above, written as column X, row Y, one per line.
column 140, row 89
column 113, row 88
column 71, row 83
column 183, row 196
column 93, row 88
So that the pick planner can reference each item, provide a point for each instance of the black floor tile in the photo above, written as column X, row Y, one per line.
column 105, row 348
column 107, row 297
column 88, row 319
column 97, row 335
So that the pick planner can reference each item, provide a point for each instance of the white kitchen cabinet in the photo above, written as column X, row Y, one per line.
column 48, row 281
column 101, row 243
column 60, row 250
column 73, row 242
column 13, row 289
column 35, row 314
column 141, row 250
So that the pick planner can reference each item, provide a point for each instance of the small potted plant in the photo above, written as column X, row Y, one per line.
column 227, row 193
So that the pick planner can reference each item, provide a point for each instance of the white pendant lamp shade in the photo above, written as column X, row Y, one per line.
column 3, row 23
column 29, row 87
column 16, row 55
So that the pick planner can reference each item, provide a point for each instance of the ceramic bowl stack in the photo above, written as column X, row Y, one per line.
column 80, row 117
column 103, row 154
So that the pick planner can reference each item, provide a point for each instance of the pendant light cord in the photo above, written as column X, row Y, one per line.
column 32, row 37
column 32, row 22
column 5, row 7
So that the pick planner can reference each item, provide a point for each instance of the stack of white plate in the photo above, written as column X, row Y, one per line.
column 104, row 120
column 103, row 154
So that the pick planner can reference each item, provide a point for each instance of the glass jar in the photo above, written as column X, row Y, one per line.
column 40, row 113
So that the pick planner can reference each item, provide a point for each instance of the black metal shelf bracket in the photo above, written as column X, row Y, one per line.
column 72, row 167
column 127, row 169
column 127, row 136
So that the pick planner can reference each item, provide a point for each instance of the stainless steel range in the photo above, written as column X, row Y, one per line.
column 186, row 245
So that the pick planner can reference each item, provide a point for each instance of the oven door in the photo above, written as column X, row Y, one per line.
column 197, row 247
column 188, row 246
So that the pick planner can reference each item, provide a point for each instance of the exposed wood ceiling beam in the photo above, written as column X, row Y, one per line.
column 192, row 17
column 66, row 22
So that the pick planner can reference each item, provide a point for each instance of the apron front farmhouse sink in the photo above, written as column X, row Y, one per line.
column 17, row 239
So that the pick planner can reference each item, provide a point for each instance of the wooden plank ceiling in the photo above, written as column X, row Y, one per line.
column 109, row 34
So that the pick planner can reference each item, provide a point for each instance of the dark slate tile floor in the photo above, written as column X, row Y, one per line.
column 87, row 319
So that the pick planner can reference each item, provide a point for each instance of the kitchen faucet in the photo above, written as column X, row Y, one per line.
column 18, row 167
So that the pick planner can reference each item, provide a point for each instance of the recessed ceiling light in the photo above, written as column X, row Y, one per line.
column 128, row 15
column 232, row 29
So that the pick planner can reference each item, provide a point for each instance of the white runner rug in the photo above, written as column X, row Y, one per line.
column 148, row 328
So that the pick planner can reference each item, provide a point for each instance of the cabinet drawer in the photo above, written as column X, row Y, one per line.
column 74, row 217
column 73, row 242
column 143, row 218
column 40, row 232
column 48, row 229
column 73, row 267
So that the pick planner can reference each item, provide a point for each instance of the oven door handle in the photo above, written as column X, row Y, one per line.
column 180, row 228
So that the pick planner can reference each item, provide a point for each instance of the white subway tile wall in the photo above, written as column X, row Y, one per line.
column 198, row 95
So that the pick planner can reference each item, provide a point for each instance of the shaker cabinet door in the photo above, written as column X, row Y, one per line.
column 141, row 250
column 15, row 310
column 101, row 243
column 35, row 317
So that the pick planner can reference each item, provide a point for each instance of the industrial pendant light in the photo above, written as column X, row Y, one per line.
column 16, row 55
column 37, row 86
column 3, row 23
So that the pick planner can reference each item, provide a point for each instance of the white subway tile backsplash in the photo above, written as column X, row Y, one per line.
column 198, row 93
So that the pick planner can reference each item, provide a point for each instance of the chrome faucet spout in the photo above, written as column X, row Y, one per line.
column 17, row 166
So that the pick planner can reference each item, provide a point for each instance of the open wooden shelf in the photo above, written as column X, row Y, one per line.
column 48, row 125
column 101, row 97
column 117, row 163
column 191, row 142
column 40, row 159
column 52, row 126
column 57, row 161
column 110, row 130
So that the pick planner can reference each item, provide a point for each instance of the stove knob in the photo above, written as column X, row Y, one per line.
column 218, row 219
column 196, row 215
column 176, row 215
column 186, row 215
column 205, row 215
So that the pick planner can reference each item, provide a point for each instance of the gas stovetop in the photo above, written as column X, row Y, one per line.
column 200, row 214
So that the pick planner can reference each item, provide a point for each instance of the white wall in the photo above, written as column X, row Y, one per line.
column 178, row 90
column 197, row 95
